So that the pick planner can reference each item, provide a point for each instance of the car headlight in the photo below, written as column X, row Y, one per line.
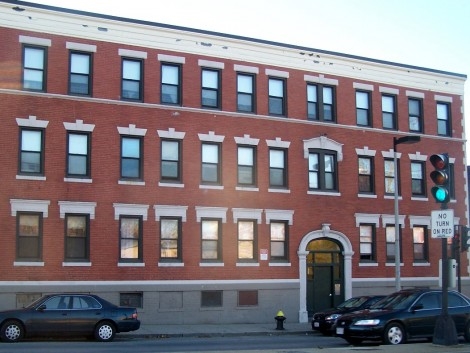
column 368, row 322
column 332, row 317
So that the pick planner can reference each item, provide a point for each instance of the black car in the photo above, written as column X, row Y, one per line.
column 323, row 321
column 68, row 314
column 404, row 315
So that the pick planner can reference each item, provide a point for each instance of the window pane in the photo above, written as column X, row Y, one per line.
column 29, row 225
column 365, row 166
column 33, row 79
column 362, row 100
column 312, row 93
column 170, row 150
column 210, row 230
column 329, row 163
column 30, row 162
column 79, row 84
column 170, row 74
column 31, row 140
column 245, row 156
column 80, row 64
column 210, row 79
column 442, row 111
column 170, row 169
column 246, row 230
column 169, row 228
column 131, row 89
column 77, row 165
column 210, row 153
column 130, row 228
column 387, row 104
column 245, row 84
column 414, row 107
column 276, row 88
column 34, row 58
column 327, row 95
column 210, row 172
column 277, row 249
column 78, row 144
column 209, row 250
column 275, row 106
column 130, row 168
column 278, row 231
column 131, row 70
column 130, row 147
column 276, row 159
column 416, row 170
column 169, row 94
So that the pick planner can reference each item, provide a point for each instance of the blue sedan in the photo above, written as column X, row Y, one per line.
column 68, row 314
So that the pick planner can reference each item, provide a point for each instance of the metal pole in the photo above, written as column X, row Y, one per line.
column 397, row 221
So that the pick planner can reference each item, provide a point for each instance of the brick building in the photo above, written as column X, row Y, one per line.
column 206, row 177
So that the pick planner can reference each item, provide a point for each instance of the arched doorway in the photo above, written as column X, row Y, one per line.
column 325, row 275
column 329, row 242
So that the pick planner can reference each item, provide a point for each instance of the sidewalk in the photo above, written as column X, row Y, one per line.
column 215, row 330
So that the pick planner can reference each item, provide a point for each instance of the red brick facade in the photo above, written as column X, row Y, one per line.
column 311, row 211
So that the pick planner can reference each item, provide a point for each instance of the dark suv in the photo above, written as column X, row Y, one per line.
column 402, row 315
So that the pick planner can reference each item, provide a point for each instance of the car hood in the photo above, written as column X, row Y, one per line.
column 368, row 314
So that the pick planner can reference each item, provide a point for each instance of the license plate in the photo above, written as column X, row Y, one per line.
column 340, row 331
column 316, row 324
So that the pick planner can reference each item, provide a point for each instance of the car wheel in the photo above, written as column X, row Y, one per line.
column 105, row 331
column 467, row 332
column 11, row 331
column 394, row 334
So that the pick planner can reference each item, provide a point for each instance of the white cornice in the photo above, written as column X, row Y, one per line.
column 152, row 36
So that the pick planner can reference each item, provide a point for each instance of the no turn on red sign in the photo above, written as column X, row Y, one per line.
column 442, row 224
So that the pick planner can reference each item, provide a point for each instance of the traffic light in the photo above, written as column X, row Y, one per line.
column 441, row 177
column 464, row 238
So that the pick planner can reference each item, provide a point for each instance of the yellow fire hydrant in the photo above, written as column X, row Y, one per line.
column 280, row 318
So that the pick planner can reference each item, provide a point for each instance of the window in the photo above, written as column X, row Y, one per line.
column 322, row 174
column 418, row 181
column 130, row 234
column 29, row 236
column 211, row 166
column 131, row 158
column 420, row 244
column 171, row 84
column 211, row 298
column 31, row 151
column 170, row 238
column 443, row 119
column 367, row 243
column 363, row 115
column 34, row 68
column 77, row 237
column 210, row 88
column 389, row 116
column 247, row 242
column 132, row 79
column 245, row 93
column 211, row 240
column 277, row 94
column 171, row 161
column 390, row 175
column 247, row 298
column 279, row 240
column 80, row 73
column 132, row 300
column 78, row 155
column 366, row 175
column 320, row 103
column 415, row 113
column 390, row 243
column 246, row 166
column 277, row 168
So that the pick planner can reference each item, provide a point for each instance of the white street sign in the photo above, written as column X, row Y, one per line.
column 442, row 224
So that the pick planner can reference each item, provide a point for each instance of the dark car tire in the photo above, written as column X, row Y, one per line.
column 394, row 333
column 105, row 331
column 467, row 332
column 12, row 331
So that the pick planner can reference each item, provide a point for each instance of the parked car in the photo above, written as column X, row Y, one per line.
column 68, row 314
column 323, row 321
column 404, row 315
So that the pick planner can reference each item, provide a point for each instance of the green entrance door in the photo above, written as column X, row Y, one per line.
column 325, row 282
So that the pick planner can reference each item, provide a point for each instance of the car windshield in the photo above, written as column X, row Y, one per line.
column 34, row 303
column 352, row 303
column 395, row 301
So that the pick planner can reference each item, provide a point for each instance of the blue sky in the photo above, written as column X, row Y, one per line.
column 428, row 33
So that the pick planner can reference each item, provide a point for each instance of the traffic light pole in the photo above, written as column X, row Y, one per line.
column 445, row 332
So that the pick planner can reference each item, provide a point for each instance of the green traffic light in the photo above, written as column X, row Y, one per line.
column 440, row 194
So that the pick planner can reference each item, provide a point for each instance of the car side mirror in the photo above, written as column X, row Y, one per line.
column 417, row 307
column 42, row 307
